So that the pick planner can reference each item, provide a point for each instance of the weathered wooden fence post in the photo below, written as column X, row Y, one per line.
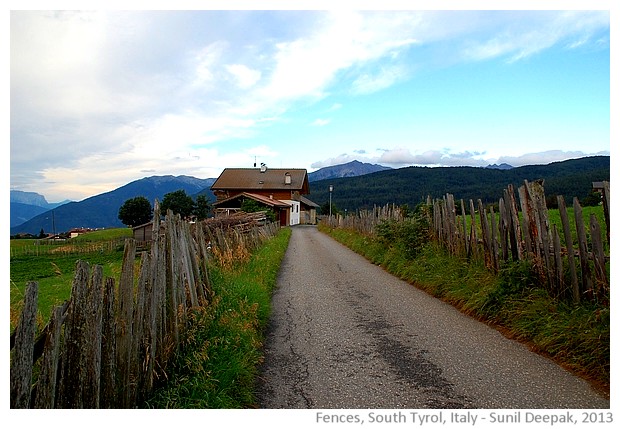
column 586, row 276
column 21, row 363
column 108, row 347
column 47, row 380
column 598, row 256
column 570, row 253
column 124, row 326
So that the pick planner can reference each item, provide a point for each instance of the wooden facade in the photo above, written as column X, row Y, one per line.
column 279, row 189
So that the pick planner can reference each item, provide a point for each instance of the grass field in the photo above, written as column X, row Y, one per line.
column 53, row 265
column 555, row 219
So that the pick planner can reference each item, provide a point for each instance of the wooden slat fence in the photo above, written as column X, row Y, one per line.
column 109, row 344
column 528, row 235
column 519, row 230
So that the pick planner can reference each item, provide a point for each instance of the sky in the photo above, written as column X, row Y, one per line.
column 103, row 97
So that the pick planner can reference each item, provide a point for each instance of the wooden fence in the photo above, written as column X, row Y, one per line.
column 571, row 267
column 573, row 271
column 108, row 345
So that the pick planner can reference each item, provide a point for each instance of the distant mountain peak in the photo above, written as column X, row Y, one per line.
column 350, row 169
column 502, row 166
column 30, row 198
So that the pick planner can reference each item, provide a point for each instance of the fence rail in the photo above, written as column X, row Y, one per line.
column 109, row 344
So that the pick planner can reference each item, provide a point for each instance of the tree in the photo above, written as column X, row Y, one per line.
column 249, row 205
column 202, row 207
column 179, row 202
column 135, row 211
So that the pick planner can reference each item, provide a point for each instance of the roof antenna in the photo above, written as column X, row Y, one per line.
column 254, row 161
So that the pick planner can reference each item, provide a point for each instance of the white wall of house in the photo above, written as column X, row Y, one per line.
column 294, row 212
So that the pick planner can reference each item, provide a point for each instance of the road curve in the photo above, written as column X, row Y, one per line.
column 345, row 334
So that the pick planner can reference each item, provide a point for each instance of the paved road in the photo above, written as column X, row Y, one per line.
column 346, row 334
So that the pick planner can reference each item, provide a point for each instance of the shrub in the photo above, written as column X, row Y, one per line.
column 408, row 235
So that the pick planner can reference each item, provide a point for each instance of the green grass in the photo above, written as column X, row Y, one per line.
column 578, row 337
column 555, row 219
column 53, row 267
column 222, row 350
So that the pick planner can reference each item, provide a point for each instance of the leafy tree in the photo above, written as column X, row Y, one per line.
column 249, row 205
column 179, row 202
column 135, row 211
column 202, row 207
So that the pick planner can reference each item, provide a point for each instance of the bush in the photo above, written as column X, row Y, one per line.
column 408, row 235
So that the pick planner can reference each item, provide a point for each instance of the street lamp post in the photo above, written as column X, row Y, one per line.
column 331, row 189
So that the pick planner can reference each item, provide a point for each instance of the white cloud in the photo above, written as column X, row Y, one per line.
column 545, row 157
column 337, row 160
column 385, row 77
column 244, row 76
column 321, row 122
column 525, row 33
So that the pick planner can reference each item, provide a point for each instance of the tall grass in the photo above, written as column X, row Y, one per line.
column 578, row 337
column 218, row 365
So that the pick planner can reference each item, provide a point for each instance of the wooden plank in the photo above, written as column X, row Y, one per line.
column 503, row 229
column 537, row 195
column 494, row 242
column 526, row 221
column 464, row 229
column 558, row 272
column 529, row 212
column 586, row 274
column 92, row 349
column 473, row 231
column 21, row 361
column 165, row 344
column 605, row 196
column 140, row 334
column 515, row 225
column 108, row 347
column 598, row 255
column 484, row 232
column 73, row 372
column 124, row 326
column 172, row 280
column 204, row 263
column 46, row 382
column 570, row 253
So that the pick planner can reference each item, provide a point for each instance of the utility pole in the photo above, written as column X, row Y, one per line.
column 331, row 189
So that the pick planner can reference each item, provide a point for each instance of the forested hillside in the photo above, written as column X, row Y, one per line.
column 411, row 185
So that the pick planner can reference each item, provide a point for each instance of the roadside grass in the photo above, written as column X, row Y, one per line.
column 577, row 337
column 222, row 348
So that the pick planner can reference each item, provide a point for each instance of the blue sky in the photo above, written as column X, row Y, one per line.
column 102, row 98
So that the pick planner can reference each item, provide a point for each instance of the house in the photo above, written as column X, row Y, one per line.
column 78, row 231
column 280, row 189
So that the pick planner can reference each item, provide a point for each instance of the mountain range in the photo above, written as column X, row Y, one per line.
column 350, row 169
column 356, row 185
column 101, row 211
column 412, row 185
